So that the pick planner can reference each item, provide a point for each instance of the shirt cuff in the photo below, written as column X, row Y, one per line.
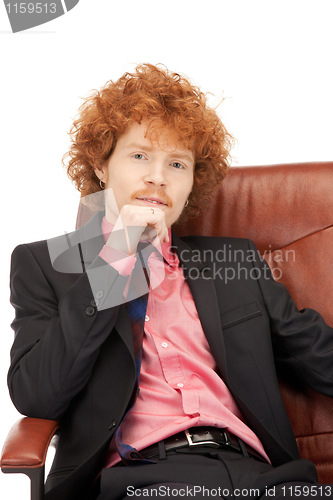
column 120, row 261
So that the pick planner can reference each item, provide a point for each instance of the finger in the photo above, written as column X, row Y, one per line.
column 151, row 223
column 160, row 238
column 152, row 233
column 160, row 228
column 141, row 218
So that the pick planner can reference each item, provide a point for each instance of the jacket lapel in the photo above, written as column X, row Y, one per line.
column 205, row 298
column 91, row 242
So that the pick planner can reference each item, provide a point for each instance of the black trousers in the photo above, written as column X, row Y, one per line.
column 223, row 474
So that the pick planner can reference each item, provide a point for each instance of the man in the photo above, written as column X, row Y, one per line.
column 194, row 402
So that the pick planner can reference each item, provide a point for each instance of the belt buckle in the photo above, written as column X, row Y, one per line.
column 203, row 443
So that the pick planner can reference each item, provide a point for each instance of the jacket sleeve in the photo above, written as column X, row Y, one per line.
column 57, row 341
column 302, row 341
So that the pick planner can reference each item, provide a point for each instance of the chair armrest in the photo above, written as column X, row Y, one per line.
column 27, row 443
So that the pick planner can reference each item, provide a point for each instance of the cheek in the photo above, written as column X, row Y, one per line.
column 189, row 189
column 115, row 181
column 190, row 182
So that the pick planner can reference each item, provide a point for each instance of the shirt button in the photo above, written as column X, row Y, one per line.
column 164, row 344
column 147, row 318
column 94, row 303
column 90, row 311
column 99, row 294
column 180, row 384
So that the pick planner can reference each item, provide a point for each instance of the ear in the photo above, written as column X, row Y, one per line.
column 100, row 172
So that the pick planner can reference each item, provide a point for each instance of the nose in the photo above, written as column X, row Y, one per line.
column 155, row 176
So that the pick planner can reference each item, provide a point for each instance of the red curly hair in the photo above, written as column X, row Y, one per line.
column 171, row 103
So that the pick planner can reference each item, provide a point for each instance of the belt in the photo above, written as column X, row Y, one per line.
column 199, row 440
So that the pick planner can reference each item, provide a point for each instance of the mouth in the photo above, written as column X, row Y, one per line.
column 154, row 201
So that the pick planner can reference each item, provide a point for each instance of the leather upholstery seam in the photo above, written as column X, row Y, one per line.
column 328, row 433
column 268, row 252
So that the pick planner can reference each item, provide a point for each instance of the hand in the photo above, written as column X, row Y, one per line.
column 136, row 223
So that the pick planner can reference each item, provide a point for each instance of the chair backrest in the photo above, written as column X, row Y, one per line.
column 287, row 210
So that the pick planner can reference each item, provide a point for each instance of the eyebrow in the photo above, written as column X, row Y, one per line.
column 147, row 147
column 136, row 145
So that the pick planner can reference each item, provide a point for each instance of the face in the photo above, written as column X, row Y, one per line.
column 140, row 172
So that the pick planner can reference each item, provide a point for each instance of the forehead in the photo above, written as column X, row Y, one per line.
column 154, row 137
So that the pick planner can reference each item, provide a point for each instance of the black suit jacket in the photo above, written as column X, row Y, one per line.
column 73, row 360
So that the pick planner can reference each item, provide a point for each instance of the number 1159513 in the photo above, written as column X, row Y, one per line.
column 31, row 8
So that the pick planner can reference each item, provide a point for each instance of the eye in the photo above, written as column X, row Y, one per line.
column 177, row 165
column 139, row 156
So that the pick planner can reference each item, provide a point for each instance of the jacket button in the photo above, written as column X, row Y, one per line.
column 112, row 425
column 90, row 311
column 99, row 294
column 94, row 303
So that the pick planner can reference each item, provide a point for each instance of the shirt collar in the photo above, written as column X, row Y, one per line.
column 165, row 249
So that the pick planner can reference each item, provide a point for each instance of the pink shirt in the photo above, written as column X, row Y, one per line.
column 179, row 383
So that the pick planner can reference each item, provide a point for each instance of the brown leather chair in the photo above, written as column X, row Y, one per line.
column 287, row 210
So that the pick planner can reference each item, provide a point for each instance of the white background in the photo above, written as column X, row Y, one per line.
column 271, row 61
